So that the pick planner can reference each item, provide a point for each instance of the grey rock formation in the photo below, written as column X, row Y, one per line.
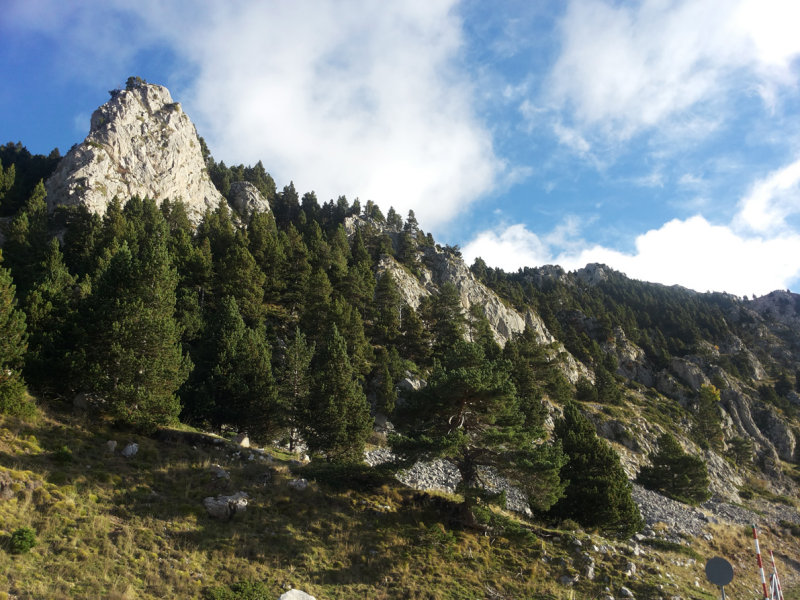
column 689, row 373
column 130, row 450
column 246, row 199
column 140, row 143
column 781, row 306
column 225, row 507
column 219, row 472
column 298, row 484
column 776, row 430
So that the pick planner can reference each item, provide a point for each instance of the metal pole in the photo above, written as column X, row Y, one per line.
column 760, row 564
column 775, row 576
column 722, row 589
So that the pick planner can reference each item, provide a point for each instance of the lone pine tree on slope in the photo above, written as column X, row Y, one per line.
column 470, row 414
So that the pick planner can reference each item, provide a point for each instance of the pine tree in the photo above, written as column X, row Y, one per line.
column 13, row 345
column 338, row 421
column 265, row 246
column 50, row 309
column 598, row 493
column 295, row 385
column 385, row 391
column 444, row 316
column 529, row 370
column 27, row 241
column 469, row 413
column 238, row 275
column 707, row 430
column 415, row 340
column 348, row 321
column 297, row 270
column 605, row 384
column 388, row 305
column 233, row 383
column 676, row 474
column 134, row 357
column 480, row 331
column 318, row 305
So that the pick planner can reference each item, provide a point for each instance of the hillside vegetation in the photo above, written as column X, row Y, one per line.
column 308, row 326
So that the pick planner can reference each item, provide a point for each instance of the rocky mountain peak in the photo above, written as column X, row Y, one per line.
column 141, row 143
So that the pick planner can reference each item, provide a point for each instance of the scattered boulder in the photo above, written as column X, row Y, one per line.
column 6, row 486
column 625, row 592
column 219, row 472
column 298, row 484
column 242, row 440
column 130, row 450
column 111, row 446
column 296, row 595
column 569, row 580
column 225, row 507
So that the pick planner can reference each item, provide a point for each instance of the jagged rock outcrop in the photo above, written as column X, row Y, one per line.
column 780, row 306
column 411, row 289
column 245, row 199
column 141, row 143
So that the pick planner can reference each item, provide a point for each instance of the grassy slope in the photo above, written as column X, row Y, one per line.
column 135, row 528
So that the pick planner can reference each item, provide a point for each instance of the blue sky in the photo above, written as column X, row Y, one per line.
column 659, row 137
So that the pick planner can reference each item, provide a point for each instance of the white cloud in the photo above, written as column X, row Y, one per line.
column 755, row 253
column 771, row 200
column 625, row 68
column 358, row 98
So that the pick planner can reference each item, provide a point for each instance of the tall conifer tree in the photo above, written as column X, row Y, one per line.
column 13, row 344
column 133, row 348
column 339, row 420
column 598, row 493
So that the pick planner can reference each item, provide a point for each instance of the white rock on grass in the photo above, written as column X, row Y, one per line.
column 225, row 507
column 130, row 450
column 298, row 484
column 296, row 595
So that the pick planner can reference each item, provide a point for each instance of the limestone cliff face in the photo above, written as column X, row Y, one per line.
column 140, row 143
column 438, row 266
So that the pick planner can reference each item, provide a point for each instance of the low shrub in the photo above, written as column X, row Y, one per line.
column 22, row 540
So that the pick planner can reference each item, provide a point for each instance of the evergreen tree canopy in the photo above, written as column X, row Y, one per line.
column 233, row 382
column 295, row 385
column 134, row 357
column 13, row 344
column 338, row 421
column 707, row 431
column 469, row 413
column 675, row 473
column 598, row 493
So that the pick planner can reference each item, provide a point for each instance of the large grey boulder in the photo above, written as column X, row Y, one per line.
column 225, row 507
column 140, row 143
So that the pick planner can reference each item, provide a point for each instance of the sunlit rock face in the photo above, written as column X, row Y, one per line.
column 141, row 143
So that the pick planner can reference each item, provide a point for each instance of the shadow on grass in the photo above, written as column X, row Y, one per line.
column 334, row 532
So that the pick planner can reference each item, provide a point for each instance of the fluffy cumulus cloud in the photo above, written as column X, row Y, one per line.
column 359, row 98
column 628, row 67
column 754, row 254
